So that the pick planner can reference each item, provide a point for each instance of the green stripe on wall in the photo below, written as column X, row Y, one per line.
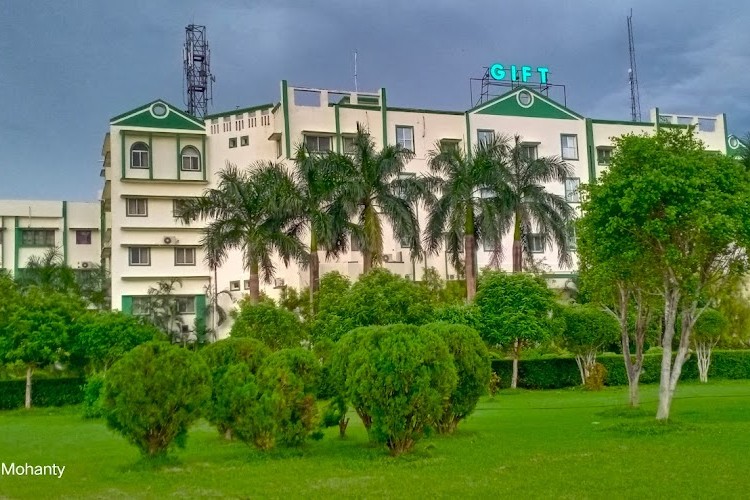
column 200, row 311
column 384, row 116
column 65, row 231
column 179, row 160
column 16, row 245
column 590, row 150
column 468, row 136
column 285, row 109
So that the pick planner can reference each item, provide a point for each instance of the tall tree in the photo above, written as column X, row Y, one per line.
column 684, row 211
column 249, row 210
column 471, row 192
column 531, row 208
column 316, row 184
column 376, row 187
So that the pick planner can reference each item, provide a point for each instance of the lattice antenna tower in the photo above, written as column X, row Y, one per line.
column 635, row 98
column 198, row 77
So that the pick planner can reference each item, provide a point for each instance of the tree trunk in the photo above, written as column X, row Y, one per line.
column 470, row 267
column 703, row 352
column 314, row 270
column 514, row 378
column 517, row 246
column 254, row 285
column 366, row 261
column 29, row 372
column 632, row 366
column 671, row 301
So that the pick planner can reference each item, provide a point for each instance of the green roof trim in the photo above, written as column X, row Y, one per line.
column 622, row 122
column 145, row 117
column 541, row 106
column 241, row 110
column 433, row 111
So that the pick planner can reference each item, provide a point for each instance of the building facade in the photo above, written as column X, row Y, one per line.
column 30, row 228
column 156, row 155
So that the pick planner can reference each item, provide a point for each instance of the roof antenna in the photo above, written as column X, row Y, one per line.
column 635, row 98
column 356, row 88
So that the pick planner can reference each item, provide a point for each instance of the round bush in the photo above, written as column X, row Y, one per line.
column 401, row 375
column 276, row 327
column 221, row 356
column 153, row 394
column 92, row 397
column 472, row 362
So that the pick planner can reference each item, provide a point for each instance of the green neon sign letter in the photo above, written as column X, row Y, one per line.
column 525, row 73
column 542, row 74
column 497, row 71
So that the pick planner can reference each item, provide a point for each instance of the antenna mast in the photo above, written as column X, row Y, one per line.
column 635, row 98
column 198, row 77
column 356, row 88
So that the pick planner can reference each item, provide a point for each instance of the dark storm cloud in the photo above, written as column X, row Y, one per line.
column 67, row 67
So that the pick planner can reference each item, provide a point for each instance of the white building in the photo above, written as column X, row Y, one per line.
column 156, row 155
column 30, row 228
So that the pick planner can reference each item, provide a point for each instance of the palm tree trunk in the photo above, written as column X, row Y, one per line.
column 29, row 372
column 470, row 265
column 254, row 285
column 314, row 269
column 517, row 246
column 366, row 261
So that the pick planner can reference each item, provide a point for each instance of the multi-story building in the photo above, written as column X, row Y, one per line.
column 156, row 155
column 30, row 228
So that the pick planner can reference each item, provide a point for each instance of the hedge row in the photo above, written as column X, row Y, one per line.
column 555, row 373
column 44, row 392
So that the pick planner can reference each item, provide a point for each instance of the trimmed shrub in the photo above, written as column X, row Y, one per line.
column 153, row 394
column 221, row 356
column 288, row 381
column 472, row 362
column 47, row 392
column 401, row 376
column 276, row 327
column 595, row 378
column 93, row 393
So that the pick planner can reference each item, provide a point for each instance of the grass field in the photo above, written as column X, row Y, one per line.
column 553, row 444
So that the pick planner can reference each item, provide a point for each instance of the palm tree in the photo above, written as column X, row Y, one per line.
column 250, row 211
column 471, row 192
column 316, row 183
column 375, row 183
column 530, row 205
column 49, row 272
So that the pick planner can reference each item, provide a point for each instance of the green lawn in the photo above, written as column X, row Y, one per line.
column 554, row 444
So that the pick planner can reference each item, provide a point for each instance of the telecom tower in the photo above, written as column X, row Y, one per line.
column 198, row 77
column 635, row 98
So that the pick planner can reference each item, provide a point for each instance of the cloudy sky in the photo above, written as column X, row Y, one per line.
column 67, row 67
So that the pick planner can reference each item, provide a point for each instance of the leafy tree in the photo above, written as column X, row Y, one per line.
column 401, row 376
column 530, row 208
column 471, row 192
column 153, row 394
column 587, row 329
column 289, row 382
column 440, row 292
column 375, row 189
column 39, row 328
column 709, row 329
column 104, row 337
column 377, row 298
column 221, row 356
column 687, row 213
column 472, row 362
column 275, row 326
column 514, row 311
column 250, row 210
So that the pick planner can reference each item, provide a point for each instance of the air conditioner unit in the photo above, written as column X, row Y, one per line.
column 387, row 257
column 85, row 265
column 407, row 277
column 278, row 282
column 170, row 240
column 451, row 276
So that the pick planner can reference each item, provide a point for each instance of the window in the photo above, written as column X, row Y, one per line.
column 141, row 306
column 83, row 237
column 232, row 142
column 405, row 137
column 348, row 145
column 450, row 144
column 185, row 305
column 252, row 121
column 536, row 243
column 354, row 244
column 666, row 119
column 191, row 159
column 278, row 148
column 234, row 285
column 184, row 256
column 572, row 237
column 485, row 136
column 246, row 285
column 569, row 146
column 239, row 122
column 139, row 155
column 139, row 256
column 685, row 120
column 706, row 124
column 244, row 140
column 603, row 156
column 265, row 118
column 529, row 151
column 318, row 143
column 227, row 124
column 136, row 207
column 38, row 237
column 571, row 190
column 488, row 246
